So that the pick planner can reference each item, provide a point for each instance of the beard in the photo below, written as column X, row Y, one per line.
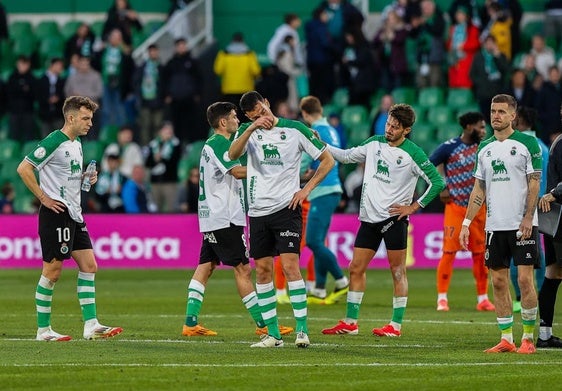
column 475, row 137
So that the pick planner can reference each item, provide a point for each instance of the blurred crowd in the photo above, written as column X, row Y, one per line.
column 158, row 110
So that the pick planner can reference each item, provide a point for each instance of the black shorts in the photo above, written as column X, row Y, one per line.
column 275, row 234
column 502, row 246
column 552, row 251
column 393, row 231
column 60, row 235
column 226, row 245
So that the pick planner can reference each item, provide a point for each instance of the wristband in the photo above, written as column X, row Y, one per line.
column 466, row 222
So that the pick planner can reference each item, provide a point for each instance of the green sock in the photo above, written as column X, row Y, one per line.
column 251, row 303
column 267, row 301
column 529, row 318
column 43, row 299
column 87, row 295
column 195, row 294
column 506, row 328
column 354, row 299
column 398, row 310
column 297, row 295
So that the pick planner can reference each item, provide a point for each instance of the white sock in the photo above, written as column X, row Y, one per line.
column 442, row 296
column 481, row 298
column 545, row 333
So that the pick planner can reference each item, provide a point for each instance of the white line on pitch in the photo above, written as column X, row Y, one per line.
column 280, row 365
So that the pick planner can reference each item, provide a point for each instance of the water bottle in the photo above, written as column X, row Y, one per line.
column 86, row 180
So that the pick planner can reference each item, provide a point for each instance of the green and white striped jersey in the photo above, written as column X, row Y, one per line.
column 59, row 162
column 391, row 175
column 504, row 166
column 274, row 158
column 221, row 195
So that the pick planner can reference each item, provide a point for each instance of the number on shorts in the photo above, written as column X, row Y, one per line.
column 63, row 234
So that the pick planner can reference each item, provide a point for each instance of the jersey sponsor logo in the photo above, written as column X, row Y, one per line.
column 382, row 167
column 75, row 167
column 205, row 155
column 271, row 155
column 499, row 167
column 203, row 212
column 386, row 227
column 252, row 188
column 270, row 151
column 40, row 153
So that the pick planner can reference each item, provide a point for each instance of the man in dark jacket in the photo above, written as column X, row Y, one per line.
column 553, row 251
column 50, row 97
column 182, row 90
column 162, row 157
column 488, row 71
column 319, row 56
column 147, row 82
column 20, row 96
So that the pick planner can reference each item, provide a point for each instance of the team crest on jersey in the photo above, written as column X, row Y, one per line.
column 66, row 154
column 488, row 153
column 40, row 153
column 64, row 248
column 513, row 151
column 260, row 137
column 75, row 167
column 382, row 167
column 283, row 135
column 399, row 160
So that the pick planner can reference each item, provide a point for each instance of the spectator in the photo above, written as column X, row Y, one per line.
column 319, row 56
column 543, row 55
column 498, row 26
column 488, row 71
column 549, row 100
column 276, row 43
column 128, row 151
column 553, row 21
column 379, row 121
column 462, row 44
column 109, row 186
column 273, row 84
column 50, row 97
column 429, row 31
column 121, row 16
column 470, row 7
column 390, row 52
column 286, row 62
column 86, row 81
column 238, row 68
column 116, row 67
column 359, row 64
column 8, row 195
column 342, row 16
column 135, row 194
column 188, row 194
column 147, row 82
column 20, row 98
column 182, row 83
column 163, row 156
column 520, row 88
column 81, row 43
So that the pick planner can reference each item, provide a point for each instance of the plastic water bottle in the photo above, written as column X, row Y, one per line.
column 86, row 181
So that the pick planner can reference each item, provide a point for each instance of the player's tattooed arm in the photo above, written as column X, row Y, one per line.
column 479, row 197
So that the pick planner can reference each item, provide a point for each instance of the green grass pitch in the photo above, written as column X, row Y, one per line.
column 437, row 351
